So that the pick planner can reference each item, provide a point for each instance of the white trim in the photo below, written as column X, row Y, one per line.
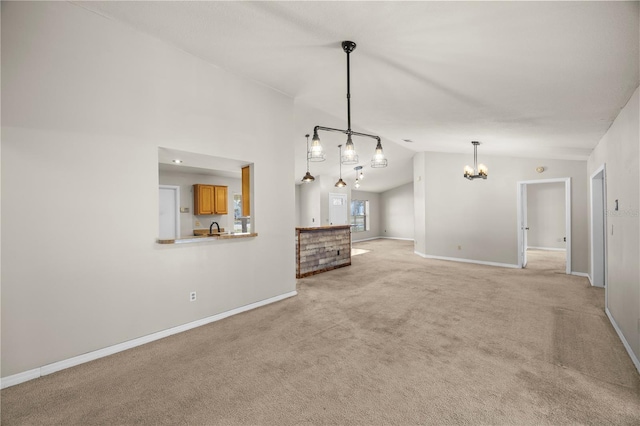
column 520, row 200
column 546, row 248
column 382, row 238
column 176, row 190
column 458, row 259
column 581, row 274
column 100, row 353
column 633, row 356
column 364, row 239
column 601, row 169
column 16, row 379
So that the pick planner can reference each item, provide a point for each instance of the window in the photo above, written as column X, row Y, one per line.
column 240, row 223
column 360, row 216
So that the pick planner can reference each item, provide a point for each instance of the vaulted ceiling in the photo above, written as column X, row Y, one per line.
column 536, row 79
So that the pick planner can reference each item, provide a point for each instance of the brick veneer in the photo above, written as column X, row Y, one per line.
column 322, row 249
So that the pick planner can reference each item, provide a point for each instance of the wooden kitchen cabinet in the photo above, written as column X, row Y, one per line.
column 209, row 199
column 246, row 191
column 220, row 197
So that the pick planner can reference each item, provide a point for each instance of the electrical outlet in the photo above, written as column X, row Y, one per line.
column 198, row 223
column 192, row 296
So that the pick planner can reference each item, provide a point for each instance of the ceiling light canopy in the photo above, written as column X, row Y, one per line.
column 478, row 170
column 350, row 156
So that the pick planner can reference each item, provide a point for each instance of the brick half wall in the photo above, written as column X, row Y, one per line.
column 322, row 249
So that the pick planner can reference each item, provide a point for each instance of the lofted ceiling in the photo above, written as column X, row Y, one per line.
column 527, row 79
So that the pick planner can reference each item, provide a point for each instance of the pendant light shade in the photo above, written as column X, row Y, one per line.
column 340, row 183
column 308, row 178
column 378, row 159
column 350, row 156
column 316, row 153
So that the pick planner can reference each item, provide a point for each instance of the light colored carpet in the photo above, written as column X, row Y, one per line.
column 357, row 251
column 393, row 339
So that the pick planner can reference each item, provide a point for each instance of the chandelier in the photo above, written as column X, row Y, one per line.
column 349, row 156
column 478, row 170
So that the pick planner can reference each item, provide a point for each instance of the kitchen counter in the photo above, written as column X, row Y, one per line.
column 205, row 238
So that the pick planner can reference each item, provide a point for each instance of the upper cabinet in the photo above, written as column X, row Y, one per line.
column 209, row 199
column 246, row 191
column 220, row 203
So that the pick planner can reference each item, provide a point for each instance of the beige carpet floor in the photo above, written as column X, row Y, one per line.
column 393, row 339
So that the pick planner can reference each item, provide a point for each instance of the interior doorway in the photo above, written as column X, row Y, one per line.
column 598, row 227
column 549, row 242
column 338, row 214
column 169, row 212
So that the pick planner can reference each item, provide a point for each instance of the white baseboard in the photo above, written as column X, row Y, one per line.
column 15, row 379
column 581, row 274
column 382, row 238
column 457, row 259
column 364, row 239
column 397, row 238
column 546, row 248
column 633, row 356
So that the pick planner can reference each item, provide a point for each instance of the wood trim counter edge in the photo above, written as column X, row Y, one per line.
column 206, row 238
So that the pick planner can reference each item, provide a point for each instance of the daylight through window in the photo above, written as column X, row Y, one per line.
column 360, row 216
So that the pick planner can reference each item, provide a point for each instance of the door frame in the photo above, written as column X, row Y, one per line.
column 346, row 206
column 176, row 190
column 592, row 206
column 521, row 218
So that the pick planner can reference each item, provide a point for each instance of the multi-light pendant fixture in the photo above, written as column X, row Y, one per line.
column 478, row 170
column 349, row 156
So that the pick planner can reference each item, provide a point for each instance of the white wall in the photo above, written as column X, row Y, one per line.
column 297, row 207
column 480, row 216
column 546, row 215
column 374, row 214
column 396, row 212
column 309, row 205
column 619, row 151
column 86, row 102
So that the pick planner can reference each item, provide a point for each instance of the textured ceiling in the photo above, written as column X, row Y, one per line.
column 539, row 79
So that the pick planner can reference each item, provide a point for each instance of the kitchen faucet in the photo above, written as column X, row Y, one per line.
column 211, row 227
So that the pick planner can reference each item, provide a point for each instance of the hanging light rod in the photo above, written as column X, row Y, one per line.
column 479, row 170
column 350, row 156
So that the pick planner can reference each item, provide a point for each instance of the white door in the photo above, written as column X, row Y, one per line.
column 338, row 213
column 524, row 226
column 169, row 212
column 598, row 228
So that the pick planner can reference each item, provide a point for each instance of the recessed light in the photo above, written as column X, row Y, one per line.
column 177, row 161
